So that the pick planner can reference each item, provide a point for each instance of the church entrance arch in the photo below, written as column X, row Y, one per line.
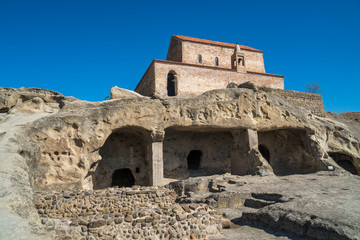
column 171, row 84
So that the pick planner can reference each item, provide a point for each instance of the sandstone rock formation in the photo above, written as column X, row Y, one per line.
column 117, row 93
column 311, row 206
column 67, row 146
column 52, row 142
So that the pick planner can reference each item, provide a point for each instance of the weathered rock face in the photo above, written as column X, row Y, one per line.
column 8, row 99
column 120, row 93
column 52, row 142
column 189, row 153
column 32, row 100
column 122, row 150
column 82, row 144
column 288, row 151
column 310, row 206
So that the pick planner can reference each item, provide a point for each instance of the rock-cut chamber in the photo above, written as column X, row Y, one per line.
column 196, row 153
column 123, row 160
column 287, row 151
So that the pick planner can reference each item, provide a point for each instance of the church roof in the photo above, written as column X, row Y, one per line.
column 198, row 40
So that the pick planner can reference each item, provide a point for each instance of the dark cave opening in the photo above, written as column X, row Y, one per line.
column 344, row 161
column 123, row 178
column 193, row 159
column 264, row 152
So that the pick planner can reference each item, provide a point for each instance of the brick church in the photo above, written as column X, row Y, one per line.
column 194, row 66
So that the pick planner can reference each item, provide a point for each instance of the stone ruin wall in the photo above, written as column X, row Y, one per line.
column 125, row 213
column 309, row 101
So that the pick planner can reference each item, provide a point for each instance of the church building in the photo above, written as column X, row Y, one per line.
column 194, row 66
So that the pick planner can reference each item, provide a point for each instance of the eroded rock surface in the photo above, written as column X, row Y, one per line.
column 311, row 206
column 52, row 143
column 68, row 144
column 120, row 93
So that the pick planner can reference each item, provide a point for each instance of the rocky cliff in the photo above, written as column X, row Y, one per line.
column 52, row 142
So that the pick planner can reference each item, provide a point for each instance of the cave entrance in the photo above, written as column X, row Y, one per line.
column 123, row 156
column 264, row 152
column 288, row 151
column 193, row 159
column 123, row 178
column 196, row 152
column 344, row 161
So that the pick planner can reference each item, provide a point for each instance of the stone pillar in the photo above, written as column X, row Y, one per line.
column 252, row 139
column 243, row 142
column 155, row 158
column 157, row 164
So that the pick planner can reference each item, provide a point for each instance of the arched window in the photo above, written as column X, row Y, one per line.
column 241, row 61
column 200, row 59
column 171, row 84
column 217, row 61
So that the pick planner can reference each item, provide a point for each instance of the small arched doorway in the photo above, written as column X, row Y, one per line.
column 123, row 178
column 171, row 84
column 193, row 159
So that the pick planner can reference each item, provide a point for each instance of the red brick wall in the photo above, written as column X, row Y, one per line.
column 146, row 86
column 190, row 51
column 193, row 80
column 175, row 50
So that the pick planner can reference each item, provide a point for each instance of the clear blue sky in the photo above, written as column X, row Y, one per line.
column 83, row 48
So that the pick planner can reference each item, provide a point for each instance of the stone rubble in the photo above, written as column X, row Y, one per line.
column 126, row 213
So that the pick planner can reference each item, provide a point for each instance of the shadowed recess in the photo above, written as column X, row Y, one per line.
column 193, row 159
column 123, row 178
column 344, row 161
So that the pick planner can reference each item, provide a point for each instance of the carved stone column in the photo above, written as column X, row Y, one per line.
column 155, row 158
